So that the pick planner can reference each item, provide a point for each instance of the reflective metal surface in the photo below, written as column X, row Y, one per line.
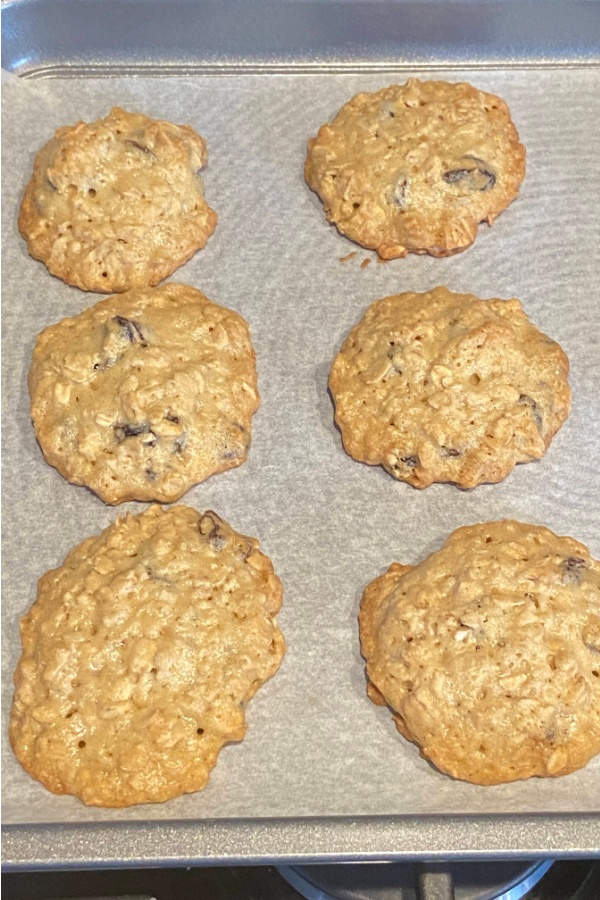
column 241, row 34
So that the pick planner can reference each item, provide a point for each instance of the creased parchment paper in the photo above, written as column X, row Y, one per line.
column 315, row 744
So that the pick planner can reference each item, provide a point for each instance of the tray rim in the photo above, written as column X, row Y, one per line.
column 492, row 33
column 300, row 839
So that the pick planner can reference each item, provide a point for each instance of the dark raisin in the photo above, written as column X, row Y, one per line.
column 475, row 178
column 209, row 527
column 572, row 569
column 574, row 562
column 140, row 147
column 131, row 330
column 126, row 430
column 450, row 451
column 410, row 461
column 536, row 409
column 455, row 175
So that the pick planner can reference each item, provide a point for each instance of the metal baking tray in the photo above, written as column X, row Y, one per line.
column 322, row 774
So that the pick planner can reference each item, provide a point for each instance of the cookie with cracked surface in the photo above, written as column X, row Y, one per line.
column 139, row 656
column 488, row 652
column 145, row 394
column 446, row 387
column 415, row 168
column 117, row 203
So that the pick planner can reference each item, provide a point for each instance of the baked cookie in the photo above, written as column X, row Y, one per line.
column 415, row 168
column 445, row 387
column 117, row 203
column 488, row 652
column 145, row 394
column 140, row 655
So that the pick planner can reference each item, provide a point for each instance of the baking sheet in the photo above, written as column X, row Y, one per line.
column 315, row 745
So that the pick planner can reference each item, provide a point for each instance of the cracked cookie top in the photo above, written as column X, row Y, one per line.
column 117, row 203
column 488, row 652
column 446, row 387
column 140, row 655
column 145, row 394
column 415, row 168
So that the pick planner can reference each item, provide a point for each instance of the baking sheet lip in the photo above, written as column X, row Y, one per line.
column 24, row 847
column 183, row 70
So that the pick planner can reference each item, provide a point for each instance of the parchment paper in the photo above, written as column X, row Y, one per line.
column 315, row 744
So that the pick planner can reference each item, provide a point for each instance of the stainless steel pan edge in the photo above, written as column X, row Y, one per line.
column 306, row 840
column 43, row 38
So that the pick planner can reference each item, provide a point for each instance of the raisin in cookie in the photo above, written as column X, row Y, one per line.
column 117, row 203
column 145, row 394
column 415, row 168
column 140, row 655
column 488, row 652
column 445, row 387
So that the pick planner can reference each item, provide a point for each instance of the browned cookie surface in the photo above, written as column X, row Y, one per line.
column 488, row 652
column 415, row 168
column 446, row 387
column 117, row 203
column 145, row 394
column 139, row 656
